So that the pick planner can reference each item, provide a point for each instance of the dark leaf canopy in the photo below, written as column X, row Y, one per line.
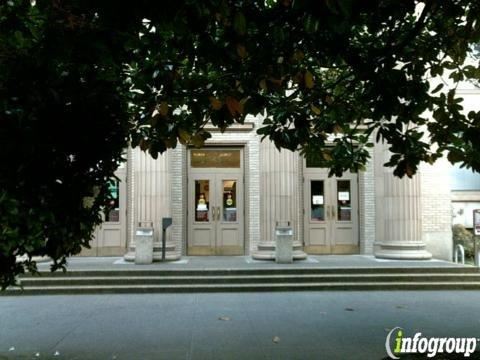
column 81, row 78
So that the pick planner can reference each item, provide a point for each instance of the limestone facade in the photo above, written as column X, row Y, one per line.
column 408, row 218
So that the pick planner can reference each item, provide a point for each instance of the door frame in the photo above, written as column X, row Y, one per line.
column 331, row 223
column 215, row 174
column 98, row 246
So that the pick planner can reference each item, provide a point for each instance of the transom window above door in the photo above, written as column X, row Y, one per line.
column 215, row 158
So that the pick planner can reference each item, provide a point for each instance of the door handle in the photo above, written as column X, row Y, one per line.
column 328, row 212
column 218, row 213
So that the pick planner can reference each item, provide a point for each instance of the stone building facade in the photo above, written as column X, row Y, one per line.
column 227, row 198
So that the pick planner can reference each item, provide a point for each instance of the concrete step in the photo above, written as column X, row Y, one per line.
column 192, row 288
column 245, row 279
column 259, row 271
column 135, row 280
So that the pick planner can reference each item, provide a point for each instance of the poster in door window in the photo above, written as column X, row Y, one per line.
column 202, row 192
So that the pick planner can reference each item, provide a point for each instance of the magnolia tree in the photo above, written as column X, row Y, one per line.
column 80, row 79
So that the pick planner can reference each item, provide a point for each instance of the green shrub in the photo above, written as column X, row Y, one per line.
column 464, row 237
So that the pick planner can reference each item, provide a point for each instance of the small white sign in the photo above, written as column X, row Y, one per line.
column 317, row 199
column 476, row 221
column 344, row 195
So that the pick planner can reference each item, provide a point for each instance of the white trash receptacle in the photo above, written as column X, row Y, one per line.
column 143, row 246
column 284, row 244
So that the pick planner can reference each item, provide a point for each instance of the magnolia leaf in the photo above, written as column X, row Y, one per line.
column 197, row 140
column 326, row 155
column 276, row 82
column 263, row 84
column 315, row 109
column 437, row 88
column 298, row 55
column 309, row 83
column 144, row 144
column 216, row 104
column 454, row 157
column 241, row 51
column 409, row 171
column 239, row 23
column 234, row 106
column 184, row 136
column 297, row 78
column 163, row 108
column 337, row 129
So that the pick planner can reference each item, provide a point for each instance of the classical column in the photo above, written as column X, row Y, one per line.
column 149, row 200
column 402, row 238
column 280, row 198
column 130, row 199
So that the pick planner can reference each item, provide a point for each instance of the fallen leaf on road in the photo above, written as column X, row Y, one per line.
column 276, row 339
column 349, row 309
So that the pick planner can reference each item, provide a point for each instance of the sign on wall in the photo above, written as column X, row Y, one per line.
column 317, row 199
column 462, row 213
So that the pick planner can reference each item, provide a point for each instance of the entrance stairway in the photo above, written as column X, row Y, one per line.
column 255, row 279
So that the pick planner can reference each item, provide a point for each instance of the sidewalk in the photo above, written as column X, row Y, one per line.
column 246, row 262
column 298, row 325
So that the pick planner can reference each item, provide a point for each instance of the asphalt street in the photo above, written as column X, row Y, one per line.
column 293, row 325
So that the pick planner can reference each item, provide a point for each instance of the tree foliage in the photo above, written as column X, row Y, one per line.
column 79, row 78
column 63, row 128
column 314, row 69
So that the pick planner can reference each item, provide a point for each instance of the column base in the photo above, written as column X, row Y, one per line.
column 403, row 251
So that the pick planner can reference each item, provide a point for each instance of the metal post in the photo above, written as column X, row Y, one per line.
column 476, row 233
column 166, row 222
column 459, row 251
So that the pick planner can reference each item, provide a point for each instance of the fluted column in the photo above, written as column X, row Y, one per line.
column 149, row 200
column 130, row 198
column 280, row 198
column 402, row 238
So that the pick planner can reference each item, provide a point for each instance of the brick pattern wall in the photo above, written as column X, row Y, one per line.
column 366, row 203
column 178, row 166
column 437, row 209
column 436, row 201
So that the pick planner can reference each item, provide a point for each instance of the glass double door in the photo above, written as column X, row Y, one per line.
column 215, row 214
column 331, row 214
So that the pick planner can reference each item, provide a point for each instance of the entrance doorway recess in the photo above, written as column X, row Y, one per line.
column 331, row 213
column 215, row 202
